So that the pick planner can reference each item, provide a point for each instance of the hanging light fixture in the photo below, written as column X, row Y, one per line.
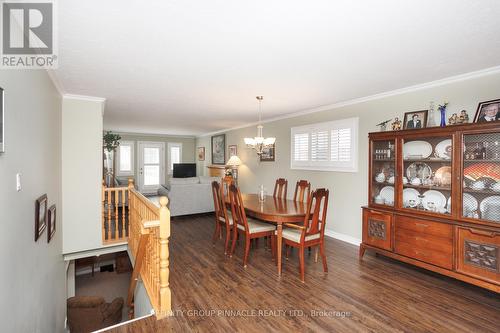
column 259, row 142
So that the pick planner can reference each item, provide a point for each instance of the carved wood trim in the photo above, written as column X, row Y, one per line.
column 481, row 255
column 376, row 229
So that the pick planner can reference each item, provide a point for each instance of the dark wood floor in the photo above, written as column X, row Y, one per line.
column 378, row 294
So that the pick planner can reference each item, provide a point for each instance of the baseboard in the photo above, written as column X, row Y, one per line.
column 343, row 237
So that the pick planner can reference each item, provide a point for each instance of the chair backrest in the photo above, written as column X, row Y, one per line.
column 225, row 182
column 216, row 192
column 302, row 188
column 237, row 209
column 316, row 205
column 280, row 188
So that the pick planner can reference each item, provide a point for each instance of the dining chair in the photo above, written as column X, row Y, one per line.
column 280, row 188
column 223, row 218
column 302, row 188
column 312, row 232
column 251, row 228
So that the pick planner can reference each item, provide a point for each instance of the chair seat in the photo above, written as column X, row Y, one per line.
column 229, row 216
column 255, row 226
column 294, row 235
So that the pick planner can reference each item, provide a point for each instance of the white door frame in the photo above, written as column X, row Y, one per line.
column 140, row 166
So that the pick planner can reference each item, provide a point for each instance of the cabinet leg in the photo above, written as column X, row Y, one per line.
column 361, row 251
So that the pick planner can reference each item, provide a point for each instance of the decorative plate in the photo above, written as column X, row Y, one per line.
column 490, row 208
column 433, row 196
column 480, row 170
column 417, row 148
column 419, row 170
column 444, row 175
column 470, row 204
column 388, row 194
column 410, row 194
column 444, row 149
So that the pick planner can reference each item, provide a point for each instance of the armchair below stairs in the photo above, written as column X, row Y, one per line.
column 90, row 313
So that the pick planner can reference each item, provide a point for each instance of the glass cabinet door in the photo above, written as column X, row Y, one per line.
column 383, row 172
column 427, row 174
column 481, row 182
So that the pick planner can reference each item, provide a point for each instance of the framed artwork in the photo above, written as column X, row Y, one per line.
column 51, row 223
column 219, row 149
column 268, row 154
column 415, row 119
column 201, row 153
column 233, row 150
column 488, row 111
column 40, row 216
column 2, row 123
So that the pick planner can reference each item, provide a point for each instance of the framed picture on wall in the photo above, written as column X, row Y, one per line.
column 233, row 150
column 268, row 154
column 51, row 223
column 201, row 153
column 40, row 216
column 2, row 123
column 219, row 149
column 488, row 111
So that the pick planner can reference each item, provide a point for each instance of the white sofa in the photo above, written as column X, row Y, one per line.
column 189, row 195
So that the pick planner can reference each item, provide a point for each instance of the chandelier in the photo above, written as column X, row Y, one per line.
column 259, row 142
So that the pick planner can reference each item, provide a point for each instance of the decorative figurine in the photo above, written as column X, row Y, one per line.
column 463, row 118
column 383, row 125
column 453, row 120
column 442, row 109
column 396, row 124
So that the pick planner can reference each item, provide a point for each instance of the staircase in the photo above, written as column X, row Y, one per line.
column 129, row 217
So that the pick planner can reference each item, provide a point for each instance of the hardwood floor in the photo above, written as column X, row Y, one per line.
column 377, row 294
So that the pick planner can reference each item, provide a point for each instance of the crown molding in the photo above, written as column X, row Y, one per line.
column 84, row 98
column 154, row 135
column 417, row 87
column 55, row 81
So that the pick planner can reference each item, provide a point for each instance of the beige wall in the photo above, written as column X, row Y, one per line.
column 82, row 174
column 33, row 277
column 348, row 191
column 188, row 151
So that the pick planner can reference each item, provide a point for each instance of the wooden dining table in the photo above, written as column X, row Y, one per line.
column 275, row 211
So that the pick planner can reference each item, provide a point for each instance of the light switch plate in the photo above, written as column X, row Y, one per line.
column 18, row 182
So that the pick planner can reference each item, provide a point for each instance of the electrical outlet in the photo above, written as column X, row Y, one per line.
column 18, row 182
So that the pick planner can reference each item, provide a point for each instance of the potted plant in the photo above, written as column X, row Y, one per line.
column 111, row 141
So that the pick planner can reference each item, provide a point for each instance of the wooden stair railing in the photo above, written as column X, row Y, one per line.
column 128, row 216
column 148, row 244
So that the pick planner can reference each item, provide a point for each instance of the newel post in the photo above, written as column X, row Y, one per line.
column 165, row 295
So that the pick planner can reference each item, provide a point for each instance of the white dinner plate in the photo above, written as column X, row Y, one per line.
column 388, row 194
column 444, row 149
column 470, row 204
column 417, row 148
column 434, row 196
column 490, row 208
column 410, row 194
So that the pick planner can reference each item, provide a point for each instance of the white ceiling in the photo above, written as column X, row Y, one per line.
column 191, row 67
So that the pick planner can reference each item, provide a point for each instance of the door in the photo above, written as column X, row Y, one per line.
column 151, row 166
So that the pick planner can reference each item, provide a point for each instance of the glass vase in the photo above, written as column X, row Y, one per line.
column 443, row 117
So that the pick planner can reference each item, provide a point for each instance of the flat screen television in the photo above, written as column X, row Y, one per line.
column 184, row 170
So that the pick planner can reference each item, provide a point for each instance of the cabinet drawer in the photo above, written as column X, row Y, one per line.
column 479, row 253
column 423, row 241
column 377, row 229
column 425, row 227
column 427, row 255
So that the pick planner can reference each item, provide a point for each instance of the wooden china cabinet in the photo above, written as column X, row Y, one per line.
column 434, row 200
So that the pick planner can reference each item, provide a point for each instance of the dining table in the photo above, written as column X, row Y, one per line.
column 276, row 211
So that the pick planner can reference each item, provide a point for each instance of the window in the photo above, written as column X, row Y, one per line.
column 328, row 146
column 125, row 158
column 174, row 155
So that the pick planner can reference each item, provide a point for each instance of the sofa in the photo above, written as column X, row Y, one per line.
column 90, row 313
column 191, row 195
